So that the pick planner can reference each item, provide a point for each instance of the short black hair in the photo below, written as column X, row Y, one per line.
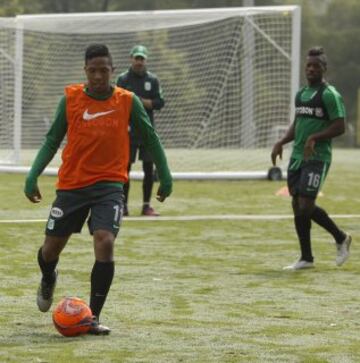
column 97, row 50
column 319, row 53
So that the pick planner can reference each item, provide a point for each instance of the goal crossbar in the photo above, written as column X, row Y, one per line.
column 229, row 77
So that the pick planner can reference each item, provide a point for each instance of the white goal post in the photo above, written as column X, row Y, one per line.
column 229, row 78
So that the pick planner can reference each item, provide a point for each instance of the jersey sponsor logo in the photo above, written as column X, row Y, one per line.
column 91, row 116
column 309, row 111
column 319, row 112
column 304, row 110
column 147, row 86
column 56, row 212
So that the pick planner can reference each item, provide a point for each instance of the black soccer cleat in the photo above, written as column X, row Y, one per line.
column 98, row 329
column 45, row 294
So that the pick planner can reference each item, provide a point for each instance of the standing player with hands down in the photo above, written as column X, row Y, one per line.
column 95, row 117
column 146, row 86
column 319, row 117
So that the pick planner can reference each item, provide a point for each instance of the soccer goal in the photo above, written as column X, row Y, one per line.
column 229, row 78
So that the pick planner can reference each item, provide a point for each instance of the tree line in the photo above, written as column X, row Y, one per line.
column 334, row 24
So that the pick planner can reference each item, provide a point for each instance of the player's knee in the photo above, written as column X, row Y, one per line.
column 104, row 245
column 303, row 206
column 305, row 210
column 148, row 167
column 52, row 247
column 295, row 205
column 50, row 254
column 148, row 172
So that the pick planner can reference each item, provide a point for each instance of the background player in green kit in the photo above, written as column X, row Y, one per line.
column 147, row 87
column 319, row 117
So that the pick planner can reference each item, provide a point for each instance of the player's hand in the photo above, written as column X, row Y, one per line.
column 276, row 151
column 35, row 197
column 164, row 191
column 32, row 191
column 147, row 103
column 309, row 148
column 160, row 197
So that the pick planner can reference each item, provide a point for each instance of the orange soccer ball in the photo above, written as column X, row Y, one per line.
column 72, row 317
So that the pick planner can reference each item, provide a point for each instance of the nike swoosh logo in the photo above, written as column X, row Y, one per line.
column 91, row 116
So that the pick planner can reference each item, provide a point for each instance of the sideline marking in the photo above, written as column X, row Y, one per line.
column 221, row 217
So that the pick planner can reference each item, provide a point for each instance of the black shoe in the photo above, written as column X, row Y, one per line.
column 149, row 211
column 98, row 329
column 45, row 294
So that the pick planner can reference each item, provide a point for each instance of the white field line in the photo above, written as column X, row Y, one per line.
column 220, row 217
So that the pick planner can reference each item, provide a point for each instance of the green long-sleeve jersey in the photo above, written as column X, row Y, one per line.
column 316, row 109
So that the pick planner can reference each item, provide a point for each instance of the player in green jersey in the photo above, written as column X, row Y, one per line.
column 319, row 117
column 147, row 87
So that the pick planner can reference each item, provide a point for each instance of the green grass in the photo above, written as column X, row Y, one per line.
column 195, row 291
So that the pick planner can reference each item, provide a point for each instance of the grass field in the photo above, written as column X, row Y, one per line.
column 192, row 291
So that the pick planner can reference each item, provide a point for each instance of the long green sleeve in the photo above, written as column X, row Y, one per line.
column 49, row 148
column 140, row 121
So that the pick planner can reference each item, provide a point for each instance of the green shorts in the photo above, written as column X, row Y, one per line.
column 100, row 204
column 305, row 178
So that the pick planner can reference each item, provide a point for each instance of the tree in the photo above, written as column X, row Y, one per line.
column 15, row 7
column 340, row 34
column 330, row 23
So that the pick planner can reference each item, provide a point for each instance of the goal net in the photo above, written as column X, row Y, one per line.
column 228, row 76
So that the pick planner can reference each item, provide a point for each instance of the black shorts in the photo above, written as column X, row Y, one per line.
column 101, row 205
column 305, row 178
column 144, row 155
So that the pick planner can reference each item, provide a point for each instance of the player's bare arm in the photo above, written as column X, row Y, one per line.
column 337, row 128
column 278, row 147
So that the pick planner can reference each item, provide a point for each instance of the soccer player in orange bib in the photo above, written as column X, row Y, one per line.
column 96, row 119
